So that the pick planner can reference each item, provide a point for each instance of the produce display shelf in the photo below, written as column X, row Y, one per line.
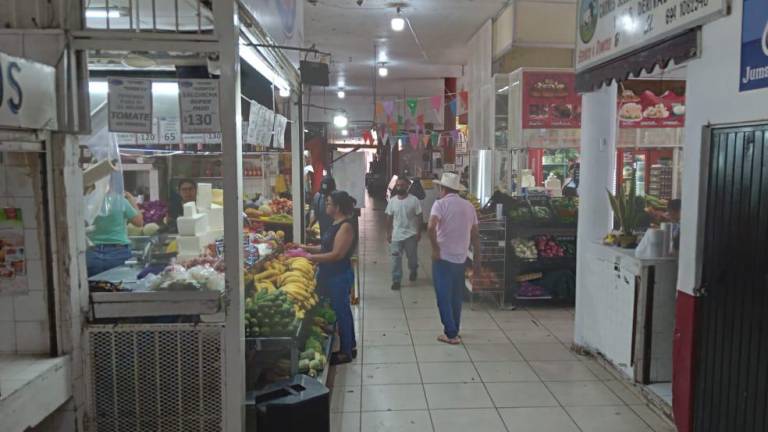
column 323, row 377
column 278, row 343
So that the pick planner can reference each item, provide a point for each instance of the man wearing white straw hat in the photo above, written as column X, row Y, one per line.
column 452, row 227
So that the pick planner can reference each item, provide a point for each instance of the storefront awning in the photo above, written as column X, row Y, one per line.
column 679, row 48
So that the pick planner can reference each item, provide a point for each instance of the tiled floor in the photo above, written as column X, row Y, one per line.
column 514, row 372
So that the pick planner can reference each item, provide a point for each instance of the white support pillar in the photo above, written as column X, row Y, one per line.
column 297, row 165
column 227, row 29
column 598, row 164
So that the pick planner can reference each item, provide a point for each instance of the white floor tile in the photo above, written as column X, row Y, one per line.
column 562, row 371
column 393, row 397
column 345, row 399
column 493, row 352
column 348, row 375
column 583, row 393
column 553, row 419
column 457, row 395
column 544, row 352
column 345, row 422
column 506, row 372
column 386, row 337
column 521, row 394
column 389, row 354
column 441, row 353
column 459, row 372
column 391, row 373
column 463, row 420
column 396, row 421
column 607, row 419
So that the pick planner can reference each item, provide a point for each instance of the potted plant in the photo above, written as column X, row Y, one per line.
column 628, row 209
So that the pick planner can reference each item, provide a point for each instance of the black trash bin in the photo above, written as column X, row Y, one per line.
column 300, row 404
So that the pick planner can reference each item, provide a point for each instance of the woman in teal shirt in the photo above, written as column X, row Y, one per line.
column 109, row 236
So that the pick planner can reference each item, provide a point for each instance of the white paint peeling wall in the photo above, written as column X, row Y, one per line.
column 24, row 326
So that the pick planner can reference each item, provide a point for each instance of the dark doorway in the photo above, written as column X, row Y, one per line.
column 732, row 324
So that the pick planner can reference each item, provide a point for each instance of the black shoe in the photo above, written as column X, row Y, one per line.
column 354, row 353
column 395, row 286
column 413, row 276
column 338, row 358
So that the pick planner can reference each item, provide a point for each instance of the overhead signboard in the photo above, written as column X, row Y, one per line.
column 651, row 104
column 27, row 94
column 130, row 105
column 550, row 101
column 607, row 29
column 199, row 106
column 754, row 46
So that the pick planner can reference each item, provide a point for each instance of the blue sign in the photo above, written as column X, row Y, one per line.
column 754, row 46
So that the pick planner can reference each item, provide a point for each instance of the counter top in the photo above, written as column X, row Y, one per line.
column 626, row 257
column 31, row 388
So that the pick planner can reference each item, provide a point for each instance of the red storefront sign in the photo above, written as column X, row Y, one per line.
column 652, row 104
column 550, row 101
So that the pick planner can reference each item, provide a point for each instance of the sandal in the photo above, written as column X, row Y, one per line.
column 450, row 341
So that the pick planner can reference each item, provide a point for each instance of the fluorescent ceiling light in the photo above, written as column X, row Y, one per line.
column 344, row 132
column 397, row 24
column 503, row 89
column 102, row 13
column 383, row 56
column 250, row 55
column 340, row 120
column 98, row 86
column 341, row 94
column 383, row 71
column 285, row 92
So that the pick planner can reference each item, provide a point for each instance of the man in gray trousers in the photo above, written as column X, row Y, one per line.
column 404, row 223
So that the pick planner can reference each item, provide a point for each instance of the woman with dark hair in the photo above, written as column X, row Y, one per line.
column 335, row 275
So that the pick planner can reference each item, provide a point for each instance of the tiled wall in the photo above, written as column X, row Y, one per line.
column 24, row 324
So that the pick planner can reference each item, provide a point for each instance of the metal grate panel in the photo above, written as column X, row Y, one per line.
column 155, row 378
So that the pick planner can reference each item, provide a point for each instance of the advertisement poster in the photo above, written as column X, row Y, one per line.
column 169, row 131
column 550, row 101
column 13, row 265
column 651, row 104
column 130, row 105
column 27, row 94
column 754, row 46
column 610, row 28
column 199, row 106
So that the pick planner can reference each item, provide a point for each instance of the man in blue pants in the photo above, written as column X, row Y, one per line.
column 452, row 227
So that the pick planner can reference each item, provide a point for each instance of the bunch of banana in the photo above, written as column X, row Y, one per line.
column 264, row 285
column 303, row 265
column 302, row 296
column 276, row 265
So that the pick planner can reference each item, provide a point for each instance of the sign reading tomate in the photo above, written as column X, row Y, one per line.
column 550, row 101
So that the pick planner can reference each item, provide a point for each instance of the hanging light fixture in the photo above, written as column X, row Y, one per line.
column 397, row 23
column 284, row 92
column 341, row 94
column 383, row 71
column 340, row 120
column 344, row 132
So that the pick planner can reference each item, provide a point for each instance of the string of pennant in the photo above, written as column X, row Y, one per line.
column 436, row 102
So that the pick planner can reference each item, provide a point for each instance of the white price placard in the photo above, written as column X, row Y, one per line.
column 199, row 105
column 144, row 139
column 169, row 131
column 193, row 139
column 609, row 28
column 125, row 139
column 213, row 138
column 130, row 105
column 253, row 123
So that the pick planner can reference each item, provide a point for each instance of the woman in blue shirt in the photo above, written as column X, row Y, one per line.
column 109, row 236
column 335, row 275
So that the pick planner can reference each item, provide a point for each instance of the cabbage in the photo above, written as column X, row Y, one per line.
column 134, row 231
column 151, row 229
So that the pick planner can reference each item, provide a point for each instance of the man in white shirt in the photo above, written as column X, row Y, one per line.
column 404, row 224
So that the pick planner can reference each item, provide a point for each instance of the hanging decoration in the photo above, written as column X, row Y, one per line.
column 393, row 127
column 389, row 107
column 399, row 120
column 437, row 102
column 379, row 108
column 452, row 106
column 435, row 137
column 414, row 139
column 420, row 120
column 425, row 139
column 413, row 105
column 367, row 137
column 464, row 96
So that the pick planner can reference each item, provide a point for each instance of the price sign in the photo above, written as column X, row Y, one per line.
column 125, row 139
column 146, row 139
column 199, row 105
column 213, row 138
column 169, row 131
column 130, row 105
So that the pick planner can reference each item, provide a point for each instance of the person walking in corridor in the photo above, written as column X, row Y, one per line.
column 403, row 230
column 452, row 227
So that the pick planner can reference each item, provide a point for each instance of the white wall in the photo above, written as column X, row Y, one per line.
column 712, row 96
column 480, row 86
column 598, row 145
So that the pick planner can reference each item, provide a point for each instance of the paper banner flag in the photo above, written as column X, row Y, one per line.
column 455, row 135
column 379, row 108
column 414, row 139
column 367, row 137
column 437, row 102
column 464, row 95
column 399, row 120
column 452, row 105
column 420, row 120
column 413, row 105
column 393, row 128
column 408, row 124
column 434, row 137
column 389, row 107
column 384, row 138
column 425, row 139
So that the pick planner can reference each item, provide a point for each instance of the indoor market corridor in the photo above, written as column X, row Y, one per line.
column 514, row 371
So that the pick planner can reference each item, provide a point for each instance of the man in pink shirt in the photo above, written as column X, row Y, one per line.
column 452, row 227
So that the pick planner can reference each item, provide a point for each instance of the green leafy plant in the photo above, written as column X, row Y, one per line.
column 628, row 208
